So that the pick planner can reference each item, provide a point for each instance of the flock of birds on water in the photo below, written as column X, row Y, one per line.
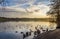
column 29, row 33
column 36, row 32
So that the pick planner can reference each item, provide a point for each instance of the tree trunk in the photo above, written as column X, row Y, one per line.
column 58, row 19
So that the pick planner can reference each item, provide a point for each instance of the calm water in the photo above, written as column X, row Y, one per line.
column 13, row 27
column 25, row 26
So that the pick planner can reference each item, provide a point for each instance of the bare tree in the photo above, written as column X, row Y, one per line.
column 55, row 10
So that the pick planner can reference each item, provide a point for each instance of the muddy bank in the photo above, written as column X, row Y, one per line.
column 49, row 35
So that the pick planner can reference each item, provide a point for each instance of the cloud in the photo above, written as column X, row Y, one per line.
column 26, row 8
column 15, row 2
column 40, row 7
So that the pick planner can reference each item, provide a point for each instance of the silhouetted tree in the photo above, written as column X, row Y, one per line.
column 55, row 11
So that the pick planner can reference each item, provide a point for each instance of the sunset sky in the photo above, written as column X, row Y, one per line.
column 26, row 8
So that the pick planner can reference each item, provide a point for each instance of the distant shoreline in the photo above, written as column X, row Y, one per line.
column 4, row 19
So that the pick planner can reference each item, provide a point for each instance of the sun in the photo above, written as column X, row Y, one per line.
column 41, row 13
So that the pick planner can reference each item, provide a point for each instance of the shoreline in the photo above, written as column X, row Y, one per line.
column 4, row 19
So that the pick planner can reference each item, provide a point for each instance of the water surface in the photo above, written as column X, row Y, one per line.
column 14, row 29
